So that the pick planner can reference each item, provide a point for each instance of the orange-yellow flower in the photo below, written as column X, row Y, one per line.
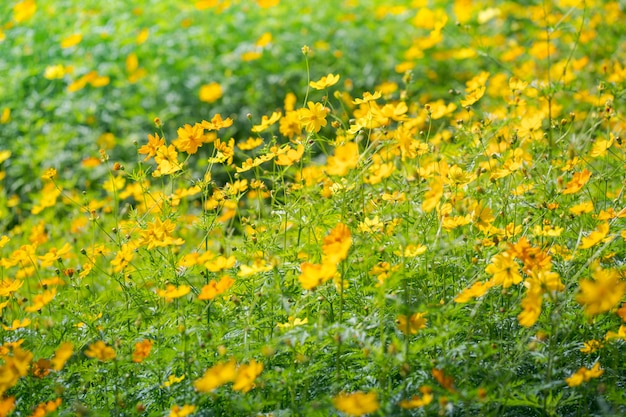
column 183, row 411
column 100, row 351
column 356, row 403
column 412, row 324
column 325, row 82
column 577, row 182
column 595, row 237
column 504, row 269
column 190, row 138
column 416, row 401
column 313, row 118
column 602, row 293
column 246, row 374
column 215, row 288
column 172, row 292
column 61, row 355
column 313, row 275
column 584, row 375
column 142, row 350
column 337, row 244
column 216, row 376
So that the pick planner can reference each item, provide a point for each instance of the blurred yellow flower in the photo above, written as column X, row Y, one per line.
column 577, row 182
column 211, row 92
column 183, row 411
column 100, row 351
column 61, row 355
column 357, row 403
column 246, row 374
column 602, row 293
column 216, row 376
column 5, row 117
column 215, row 288
column 324, row 82
column 584, row 375
column 71, row 40
column 172, row 292
column 142, row 350
column 24, row 10
column 411, row 324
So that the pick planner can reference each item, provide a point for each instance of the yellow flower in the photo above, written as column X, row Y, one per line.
column 591, row 346
column 411, row 325
column 291, row 156
column 577, row 182
column 159, row 234
column 172, row 379
column 246, row 374
column 215, row 288
column 313, row 118
column 313, row 275
column 61, row 355
column 337, row 244
column 167, row 159
column 41, row 300
column 595, row 237
column 584, row 375
column 183, row 411
column 71, row 40
column 346, row 157
column 504, row 269
column 220, row 263
column 100, row 351
column 367, row 97
column 49, row 174
column 24, row 10
column 171, row 292
column 324, row 82
column 602, row 293
column 190, row 138
column 54, row 72
column 142, row 350
column 416, row 401
column 478, row 289
column 215, row 377
column 6, row 406
column 356, row 403
column 211, row 92
column 473, row 96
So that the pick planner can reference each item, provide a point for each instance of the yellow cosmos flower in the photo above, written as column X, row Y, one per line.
column 602, row 293
column 325, row 82
column 172, row 292
column 411, row 324
column 211, row 92
column 356, row 403
column 61, row 355
column 246, row 374
column 584, row 375
column 577, row 182
column 71, row 40
column 142, row 350
column 215, row 288
column 216, row 376
column 504, row 269
column 100, row 351
column 183, row 411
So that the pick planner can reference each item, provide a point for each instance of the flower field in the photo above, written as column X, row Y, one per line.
column 276, row 208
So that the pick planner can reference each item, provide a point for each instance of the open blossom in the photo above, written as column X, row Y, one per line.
column 504, row 269
column 100, row 351
column 603, row 293
column 313, row 118
column 356, row 403
column 325, row 82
